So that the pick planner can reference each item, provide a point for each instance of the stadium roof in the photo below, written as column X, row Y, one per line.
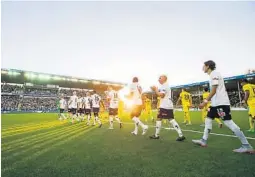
column 238, row 77
column 54, row 76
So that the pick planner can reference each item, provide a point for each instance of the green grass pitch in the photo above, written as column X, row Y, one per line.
column 38, row 145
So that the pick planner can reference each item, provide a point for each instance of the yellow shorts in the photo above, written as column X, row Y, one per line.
column 148, row 112
column 185, row 108
column 252, row 111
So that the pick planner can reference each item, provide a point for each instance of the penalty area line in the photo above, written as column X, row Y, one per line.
column 194, row 131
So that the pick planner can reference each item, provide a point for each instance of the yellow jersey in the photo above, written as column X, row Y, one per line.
column 121, row 105
column 185, row 97
column 251, row 89
column 147, row 103
column 205, row 95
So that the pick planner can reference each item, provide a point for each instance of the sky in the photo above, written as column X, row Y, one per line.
column 118, row 40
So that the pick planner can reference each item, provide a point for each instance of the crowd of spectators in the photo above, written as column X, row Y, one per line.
column 9, row 102
column 15, row 89
column 39, row 103
column 40, row 91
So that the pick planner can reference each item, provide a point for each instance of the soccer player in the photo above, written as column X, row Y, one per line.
column 166, row 108
column 95, row 107
column 147, row 108
column 136, row 96
column 73, row 104
column 113, row 98
column 120, row 108
column 186, row 100
column 80, row 108
column 249, row 100
column 62, row 107
column 207, row 107
column 87, row 103
column 220, row 107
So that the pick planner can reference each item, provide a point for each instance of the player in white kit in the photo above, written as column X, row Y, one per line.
column 166, row 109
column 87, row 103
column 95, row 107
column 136, row 96
column 62, row 106
column 73, row 104
column 113, row 98
column 220, row 107
column 80, row 110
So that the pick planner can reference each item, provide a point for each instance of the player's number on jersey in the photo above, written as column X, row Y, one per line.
column 186, row 97
column 96, row 99
column 115, row 96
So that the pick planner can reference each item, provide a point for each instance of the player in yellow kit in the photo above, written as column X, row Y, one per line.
column 120, row 108
column 186, row 100
column 249, row 99
column 207, row 108
column 147, row 108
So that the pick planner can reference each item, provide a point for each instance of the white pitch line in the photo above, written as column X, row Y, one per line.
column 193, row 131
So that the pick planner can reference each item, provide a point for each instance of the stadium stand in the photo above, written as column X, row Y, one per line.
column 31, row 92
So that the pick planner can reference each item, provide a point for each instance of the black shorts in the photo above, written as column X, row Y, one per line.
column 69, row 110
column 61, row 110
column 88, row 111
column 95, row 110
column 136, row 111
column 73, row 110
column 81, row 111
column 165, row 113
column 113, row 111
column 222, row 112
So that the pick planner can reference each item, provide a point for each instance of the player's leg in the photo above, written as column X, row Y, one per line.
column 136, row 112
column 185, row 121
column 151, row 115
column 219, row 122
column 111, row 118
column 208, row 127
column 226, row 116
column 62, row 115
column 188, row 116
column 88, row 114
column 158, row 125
column 173, row 122
column 74, row 116
column 98, row 118
column 116, row 117
column 251, row 118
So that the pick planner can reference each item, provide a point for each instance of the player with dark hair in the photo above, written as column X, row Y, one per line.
column 220, row 107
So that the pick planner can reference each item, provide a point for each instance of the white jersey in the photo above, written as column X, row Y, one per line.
column 166, row 102
column 87, row 102
column 137, row 96
column 62, row 104
column 80, row 103
column 221, row 95
column 69, row 104
column 74, row 101
column 114, row 99
column 96, row 101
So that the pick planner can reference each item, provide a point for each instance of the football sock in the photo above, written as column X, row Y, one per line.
column 208, row 128
column 158, row 127
column 236, row 130
column 251, row 122
column 111, row 121
column 218, row 120
column 118, row 119
column 140, row 123
column 136, row 124
column 176, row 127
